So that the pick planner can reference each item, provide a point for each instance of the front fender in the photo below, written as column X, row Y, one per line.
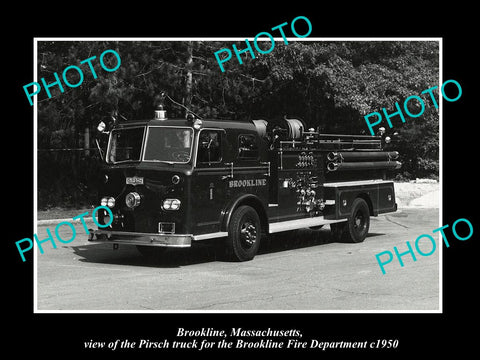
column 244, row 199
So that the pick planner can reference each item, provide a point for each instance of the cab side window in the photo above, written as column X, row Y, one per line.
column 209, row 146
column 247, row 147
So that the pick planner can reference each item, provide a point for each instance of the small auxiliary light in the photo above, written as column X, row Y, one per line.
column 194, row 121
column 171, row 204
column 197, row 124
column 108, row 201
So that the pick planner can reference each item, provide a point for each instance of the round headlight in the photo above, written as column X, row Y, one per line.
column 175, row 179
column 104, row 201
column 132, row 200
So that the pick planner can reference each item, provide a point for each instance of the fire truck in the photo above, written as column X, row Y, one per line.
column 176, row 182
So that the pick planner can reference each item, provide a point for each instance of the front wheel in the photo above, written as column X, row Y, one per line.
column 244, row 234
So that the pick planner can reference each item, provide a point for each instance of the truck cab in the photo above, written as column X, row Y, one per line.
column 173, row 182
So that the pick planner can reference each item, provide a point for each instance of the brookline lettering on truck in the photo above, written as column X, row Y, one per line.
column 245, row 183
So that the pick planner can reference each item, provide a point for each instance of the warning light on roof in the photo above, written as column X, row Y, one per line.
column 160, row 114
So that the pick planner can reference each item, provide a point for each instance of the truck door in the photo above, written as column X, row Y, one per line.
column 208, row 188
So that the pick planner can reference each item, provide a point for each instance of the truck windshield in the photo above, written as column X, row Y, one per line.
column 125, row 145
column 168, row 144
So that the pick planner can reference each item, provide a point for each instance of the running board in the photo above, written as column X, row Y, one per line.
column 210, row 235
column 300, row 224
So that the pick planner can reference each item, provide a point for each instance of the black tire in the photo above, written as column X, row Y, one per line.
column 244, row 233
column 355, row 229
column 151, row 252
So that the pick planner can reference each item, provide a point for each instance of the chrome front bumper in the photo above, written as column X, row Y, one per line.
column 136, row 238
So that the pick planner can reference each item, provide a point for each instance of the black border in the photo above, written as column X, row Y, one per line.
column 418, row 333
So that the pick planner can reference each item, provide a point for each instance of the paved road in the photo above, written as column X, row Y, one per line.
column 301, row 270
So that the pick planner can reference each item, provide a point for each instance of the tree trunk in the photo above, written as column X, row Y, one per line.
column 189, row 80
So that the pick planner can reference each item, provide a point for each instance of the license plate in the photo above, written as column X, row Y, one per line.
column 134, row 180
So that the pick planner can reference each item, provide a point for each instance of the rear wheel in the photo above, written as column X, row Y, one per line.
column 359, row 221
column 244, row 234
column 355, row 229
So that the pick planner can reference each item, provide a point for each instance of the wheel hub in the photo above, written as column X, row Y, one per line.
column 249, row 233
column 359, row 222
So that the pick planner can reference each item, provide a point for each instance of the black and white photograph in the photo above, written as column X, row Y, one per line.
column 257, row 188
column 242, row 184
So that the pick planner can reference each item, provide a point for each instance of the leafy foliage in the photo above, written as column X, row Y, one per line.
column 331, row 85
